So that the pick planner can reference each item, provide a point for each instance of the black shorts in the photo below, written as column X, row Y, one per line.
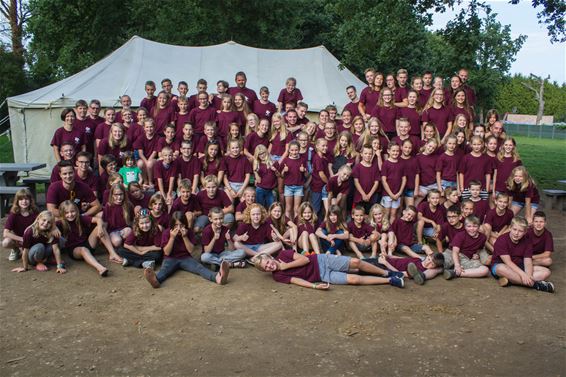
column 69, row 250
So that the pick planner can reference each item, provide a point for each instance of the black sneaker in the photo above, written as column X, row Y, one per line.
column 397, row 282
column 414, row 273
column 449, row 274
column 544, row 286
column 395, row 274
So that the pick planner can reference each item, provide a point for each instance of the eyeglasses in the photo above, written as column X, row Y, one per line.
column 82, row 162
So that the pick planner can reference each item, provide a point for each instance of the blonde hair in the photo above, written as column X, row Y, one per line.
column 514, row 153
column 282, row 132
column 66, row 227
column 22, row 194
column 527, row 180
column 123, row 142
column 350, row 151
column 184, row 183
column 126, row 206
column 210, row 179
column 266, row 160
column 143, row 214
column 36, row 232
column 436, row 133
column 258, row 258
column 279, row 224
column 430, row 101
column 302, row 208
column 384, row 221
column 248, row 210
column 256, row 119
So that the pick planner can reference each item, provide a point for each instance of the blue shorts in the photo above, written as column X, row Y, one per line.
column 409, row 193
column 493, row 269
column 324, row 193
column 293, row 190
column 416, row 247
column 275, row 158
column 428, row 232
column 236, row 186
column 522, row 204
column 255, row 248
column 446, row 184
column 333, row 268
column 427, row 188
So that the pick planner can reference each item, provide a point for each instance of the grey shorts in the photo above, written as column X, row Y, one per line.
column 333, row 268
column 465, row 262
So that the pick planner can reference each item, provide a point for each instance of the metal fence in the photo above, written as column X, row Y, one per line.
column 542, row 132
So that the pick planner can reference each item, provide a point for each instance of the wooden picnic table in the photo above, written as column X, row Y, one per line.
column 9, row 171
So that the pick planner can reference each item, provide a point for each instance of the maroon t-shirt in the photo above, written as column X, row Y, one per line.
column 504, row 169
column 475, row 168
column 394, row 172
column 162, row 220
column 387, row 116
column 179, row 250
column 498, row 222
column 268, row 177
column 285, row 97
column 102, row 131
column 306, row 227
column 401, row 92
column 90, row 180
column 149, row 104
column 447, row 166
column 241, row 207
column 467, row 244
column 336, row 188
column 190, row 206
column 81, row 193
column 264, row 110
column 224, row 118
column 309, row 272
column 438, row 216
column 352, row 107
column 448, row 231
column 414, row 140
column 17, row 224
column 198, row 117
column 165, row 173
column 541, row 243
column 188, row 169
column 88, row 125
column 278, row 146
column 460, row 110
column 369, row 98
column 133, row 132
column 294, row 176
column 119, row 119
column 411, row 169
column 480, row 209
column 76, row 136
column 205, row 203
column 208, row 235
column 427, row 168
column 148, row 146
column 250, row 94
column 520, row 196
column 319, row 164
column 440, row 118
column 173, row 144
column 104, row 149
column 237, row 168
column 211, row 167
column 144, row 240
column 401, row 264
column 363, row 231
column 113, row 215
column 253, row 140
column 163, row 118
column 517, row 251
column 403, row 230
column 180, row 121
column 256, row 236
column 424, row 95
column 143, row 202
column 414, row 118
column 366, row 176
column 29, row 240
column 73, row 237
column 203, row 141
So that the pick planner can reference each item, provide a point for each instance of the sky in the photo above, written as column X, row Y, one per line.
column 538, row 55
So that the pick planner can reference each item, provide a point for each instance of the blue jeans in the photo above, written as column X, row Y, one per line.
column 264, row 197
column 170, row 265
column 316, row 201
column 227, row 255
column 337, row 243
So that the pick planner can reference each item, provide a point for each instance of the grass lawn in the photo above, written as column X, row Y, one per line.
column 545, row 159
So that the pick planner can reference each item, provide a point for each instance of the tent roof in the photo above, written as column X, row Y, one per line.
column 125, row 71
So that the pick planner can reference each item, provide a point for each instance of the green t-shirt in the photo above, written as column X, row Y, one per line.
column 130, row 174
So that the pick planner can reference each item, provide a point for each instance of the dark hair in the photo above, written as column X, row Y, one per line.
column 202, row 81
column 539, row 214
column 359, row 208
column 150, row 83
column 176, row 217
column 166, row 80
column 182, row 83
column 64, row 163
column 84, row 154
column 224, row 83
column 351, row 87
column 455, row 209
column 240, row 73
column 106, row 160
column 65, row 112
column 438, row 259
column 81, row 102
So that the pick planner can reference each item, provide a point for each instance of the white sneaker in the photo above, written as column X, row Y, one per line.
column 14, row 255
column 125, row 262
column 149, row 264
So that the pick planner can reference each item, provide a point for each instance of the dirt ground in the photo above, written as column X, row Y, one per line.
column 80, row 324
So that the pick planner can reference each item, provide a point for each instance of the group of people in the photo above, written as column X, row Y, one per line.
column 405, row 180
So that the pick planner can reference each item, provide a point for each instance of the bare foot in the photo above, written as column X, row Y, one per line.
column 222, row 275
column 103, row 273
column 41, row 267
column 151, row 278
column 116, row 259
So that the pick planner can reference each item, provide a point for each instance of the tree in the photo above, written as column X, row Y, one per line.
column 553, row 14
column 539, row 95
column 484, row 46
column 17, row 14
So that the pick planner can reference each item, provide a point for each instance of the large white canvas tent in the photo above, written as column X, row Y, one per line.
column 35, row 116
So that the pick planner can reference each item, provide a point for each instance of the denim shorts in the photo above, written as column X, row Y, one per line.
column 324, row 193
column 428, row 232
column 255, row 248
column 293, row 190
column 387, row 202
column 446, row 184
column 275, row 158
column 333, row 268
column 236, row 186
column 426, row 189
column 409, row 193
column 416, row 247
column 522, row 204
column 493, row 269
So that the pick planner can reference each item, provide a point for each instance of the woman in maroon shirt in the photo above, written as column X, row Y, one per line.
column 436, row 112
column 386, row 112
column 163, row 112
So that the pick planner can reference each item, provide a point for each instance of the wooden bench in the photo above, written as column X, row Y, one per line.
column 6, row 192
column 32, row 182
column 555, row 199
